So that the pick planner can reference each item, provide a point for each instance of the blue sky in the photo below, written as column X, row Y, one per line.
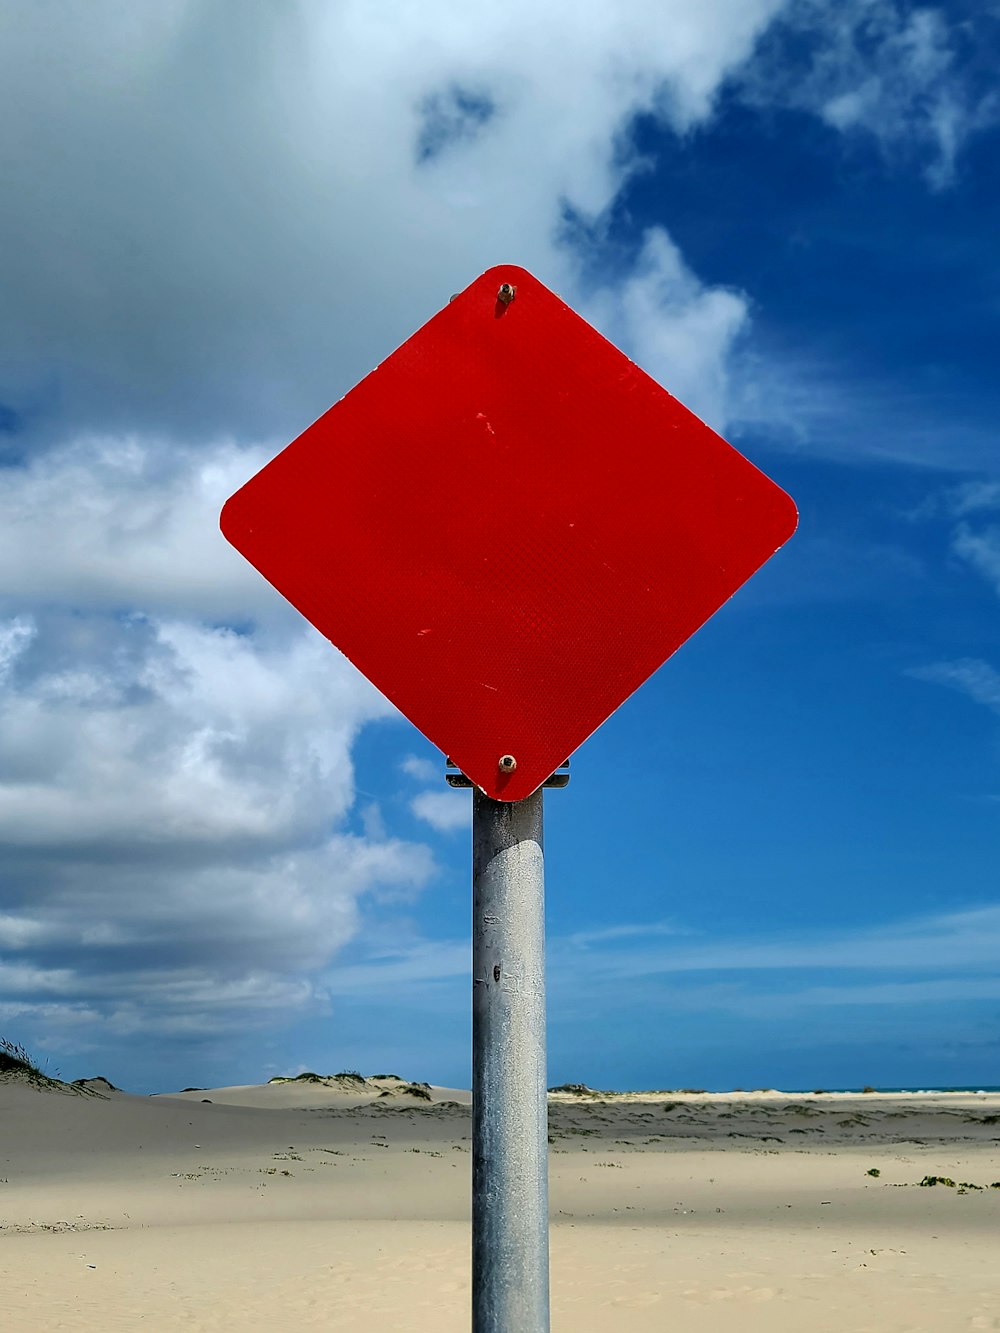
column 222, row 855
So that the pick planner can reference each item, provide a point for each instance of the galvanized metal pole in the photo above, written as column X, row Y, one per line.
column 510, row 1224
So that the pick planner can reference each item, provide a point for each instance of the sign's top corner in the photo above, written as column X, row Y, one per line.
column 508, row 273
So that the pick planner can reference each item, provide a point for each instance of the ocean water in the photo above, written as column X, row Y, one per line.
column 982, row 1088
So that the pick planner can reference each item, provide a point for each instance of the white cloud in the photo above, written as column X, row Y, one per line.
column 583, row 939
column 446, row 811
column 169, row 818
column 171, row 790
column 806, row 401
column 974, row 541
column 959, row 940
column 974, row 496
column 948, row 990
column 256, row 217
column 981, row 549
column 922, row 960
column 680, row 332
column 975, row 678
column 173, row 732
column 423, row 770
column 424, row 963
column 895, row 74
column 260, row 211
column 15, row 635
column 125, row 522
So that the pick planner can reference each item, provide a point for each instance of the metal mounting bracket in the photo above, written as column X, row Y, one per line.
column 456, row 778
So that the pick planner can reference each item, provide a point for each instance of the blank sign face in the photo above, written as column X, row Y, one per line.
column 507, row 527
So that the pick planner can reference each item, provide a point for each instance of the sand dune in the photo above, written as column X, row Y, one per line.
column 344, row 1204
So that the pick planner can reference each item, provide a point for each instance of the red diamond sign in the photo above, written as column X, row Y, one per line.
column 507, row 527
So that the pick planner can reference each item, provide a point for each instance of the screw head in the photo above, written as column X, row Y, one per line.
column 507, row 763
column 506, row 293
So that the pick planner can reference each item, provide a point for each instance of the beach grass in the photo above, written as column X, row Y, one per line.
column 15, row 1062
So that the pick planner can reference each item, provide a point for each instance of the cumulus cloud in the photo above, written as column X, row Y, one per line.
column 679, row 331
column 173, row 793
column 215, row 229
column 446, row 811
column 120, row 522
column 164, row 731
column 443, row 808
column 221, row 226
column 171, row 820
column 423, row 770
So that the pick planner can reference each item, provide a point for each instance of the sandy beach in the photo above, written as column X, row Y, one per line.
column 344, row 1204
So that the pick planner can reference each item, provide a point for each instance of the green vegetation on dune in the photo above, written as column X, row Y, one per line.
column 16, row 1065
column 308, row 1076
column 15, row 1062
column 15, row 1059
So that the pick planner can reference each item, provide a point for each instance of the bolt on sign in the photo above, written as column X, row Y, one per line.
column 507, row 527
